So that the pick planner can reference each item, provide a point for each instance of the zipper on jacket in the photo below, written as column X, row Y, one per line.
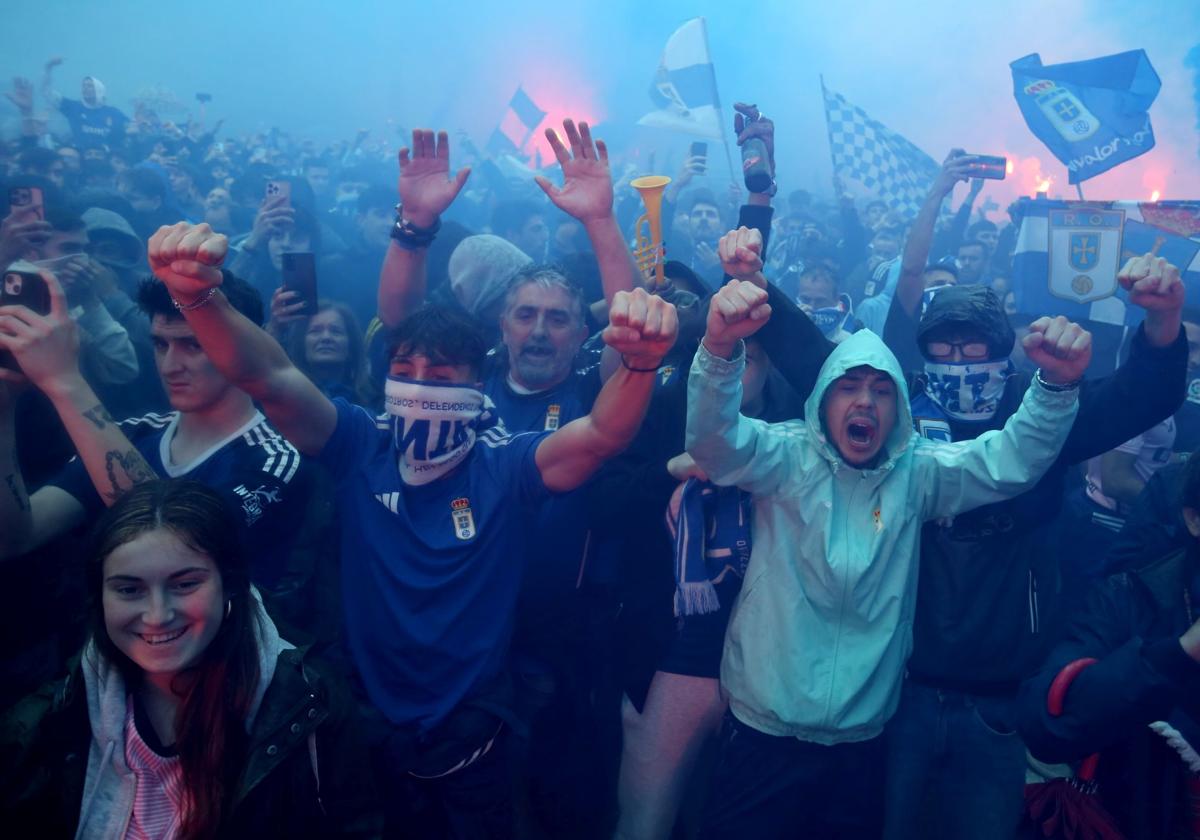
column 844, row 528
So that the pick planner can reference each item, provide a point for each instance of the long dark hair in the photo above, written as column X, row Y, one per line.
column 215, row 693
column 354, row 373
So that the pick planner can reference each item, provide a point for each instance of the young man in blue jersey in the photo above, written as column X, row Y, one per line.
column 435, row 503
column 215, row 435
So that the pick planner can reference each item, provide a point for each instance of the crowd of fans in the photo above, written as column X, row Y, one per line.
column 346, row 500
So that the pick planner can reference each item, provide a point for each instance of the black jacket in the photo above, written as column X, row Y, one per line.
column 989, row 582
column 1131, row 623
column 44, row 744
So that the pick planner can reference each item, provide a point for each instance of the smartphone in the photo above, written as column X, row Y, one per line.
column 300, row 276
column 989, row 166
column 277, row 188
column 23, row 286
column 27, row 200
column 700, row 150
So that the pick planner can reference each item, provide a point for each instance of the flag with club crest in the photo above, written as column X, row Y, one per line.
column 1068, row 255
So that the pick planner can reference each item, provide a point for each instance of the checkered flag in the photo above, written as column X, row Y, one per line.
column 869, row 152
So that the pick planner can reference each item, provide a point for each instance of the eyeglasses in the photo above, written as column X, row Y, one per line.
column 969, row 349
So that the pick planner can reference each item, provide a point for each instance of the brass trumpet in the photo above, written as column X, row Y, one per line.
column 649, row 252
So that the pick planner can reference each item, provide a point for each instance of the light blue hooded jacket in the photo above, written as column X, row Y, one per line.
column 820, row 634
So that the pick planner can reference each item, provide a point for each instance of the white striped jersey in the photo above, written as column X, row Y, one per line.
column 262, row 477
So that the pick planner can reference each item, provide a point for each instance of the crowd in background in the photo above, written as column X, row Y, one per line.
column 486, row 539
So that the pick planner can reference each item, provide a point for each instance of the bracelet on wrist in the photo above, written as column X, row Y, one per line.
column 1053, row 387
column 410, row 237
column 202, row 300
column 625, row 364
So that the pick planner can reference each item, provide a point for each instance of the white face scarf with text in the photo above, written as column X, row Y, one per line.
column 434, row 425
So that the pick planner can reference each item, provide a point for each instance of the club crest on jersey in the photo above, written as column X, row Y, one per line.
column 665, row 374
column 464, row 522
column 552, row 413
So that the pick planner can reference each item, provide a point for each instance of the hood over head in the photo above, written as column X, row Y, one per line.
column 106, row 223
column 977, row 306
column 862, row 348
column 101, row 92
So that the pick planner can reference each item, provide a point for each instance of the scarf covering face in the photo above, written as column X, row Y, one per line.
column 434, row 425
column 830, row 319
column 968, row 390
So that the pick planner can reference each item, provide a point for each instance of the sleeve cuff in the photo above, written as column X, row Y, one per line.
column 718, row 368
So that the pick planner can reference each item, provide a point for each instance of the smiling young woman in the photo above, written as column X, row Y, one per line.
column 196, row 718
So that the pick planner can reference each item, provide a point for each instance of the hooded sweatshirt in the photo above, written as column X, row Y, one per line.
column 821, row 631
column 110, row 784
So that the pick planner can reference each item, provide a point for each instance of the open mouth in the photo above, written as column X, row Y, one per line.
column 538, row 352
column 161, row 638
column 861, row 433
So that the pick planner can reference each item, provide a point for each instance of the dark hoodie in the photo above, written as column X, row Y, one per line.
column 986, row 602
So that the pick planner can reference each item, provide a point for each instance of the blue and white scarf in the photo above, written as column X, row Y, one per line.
column 434, row 425
column 710, row 527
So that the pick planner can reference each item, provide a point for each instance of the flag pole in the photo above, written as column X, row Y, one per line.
column 1079, row 189
column 720, row 111
column 829, row 137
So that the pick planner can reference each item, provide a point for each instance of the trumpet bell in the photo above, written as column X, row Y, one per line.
column 649, row 251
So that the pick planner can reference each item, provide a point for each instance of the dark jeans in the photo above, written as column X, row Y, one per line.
column 768, row 786
column 955, row 767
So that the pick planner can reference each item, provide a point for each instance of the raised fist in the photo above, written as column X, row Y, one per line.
column 740, row 252
column 1061, row 348
column 641, row 327
column 736, row 312
column 1152, row 283
column 187, row 258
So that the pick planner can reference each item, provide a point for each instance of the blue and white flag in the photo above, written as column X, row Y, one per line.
column 1068, row 255
column 685, row 86
column 867, row 151
column 520, row 120
column 1092, row 115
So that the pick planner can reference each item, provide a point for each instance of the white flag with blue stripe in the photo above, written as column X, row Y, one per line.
column 1068, row 255
column 685, row 86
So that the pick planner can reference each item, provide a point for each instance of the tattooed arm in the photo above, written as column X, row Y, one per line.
column 112, row 462
column 46, row 348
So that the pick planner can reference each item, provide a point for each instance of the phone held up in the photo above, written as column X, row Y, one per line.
column 23, row 285
column 300, row 276
column 994, row 167
column 280, row 188
column 27, row 200
column 700, row 150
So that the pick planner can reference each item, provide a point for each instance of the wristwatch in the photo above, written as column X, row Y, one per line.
column 1054, row 388
column 410, row 237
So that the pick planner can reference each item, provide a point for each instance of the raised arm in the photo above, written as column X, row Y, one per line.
column 730, row 448
column 1150, row 385
column 642, row 328
column 911, row 285
column 795, row 344
column 1001, row 463
column 51, row 95
column 587, row 196
column 187, row 259
column 47, row 351
column 426, row 190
